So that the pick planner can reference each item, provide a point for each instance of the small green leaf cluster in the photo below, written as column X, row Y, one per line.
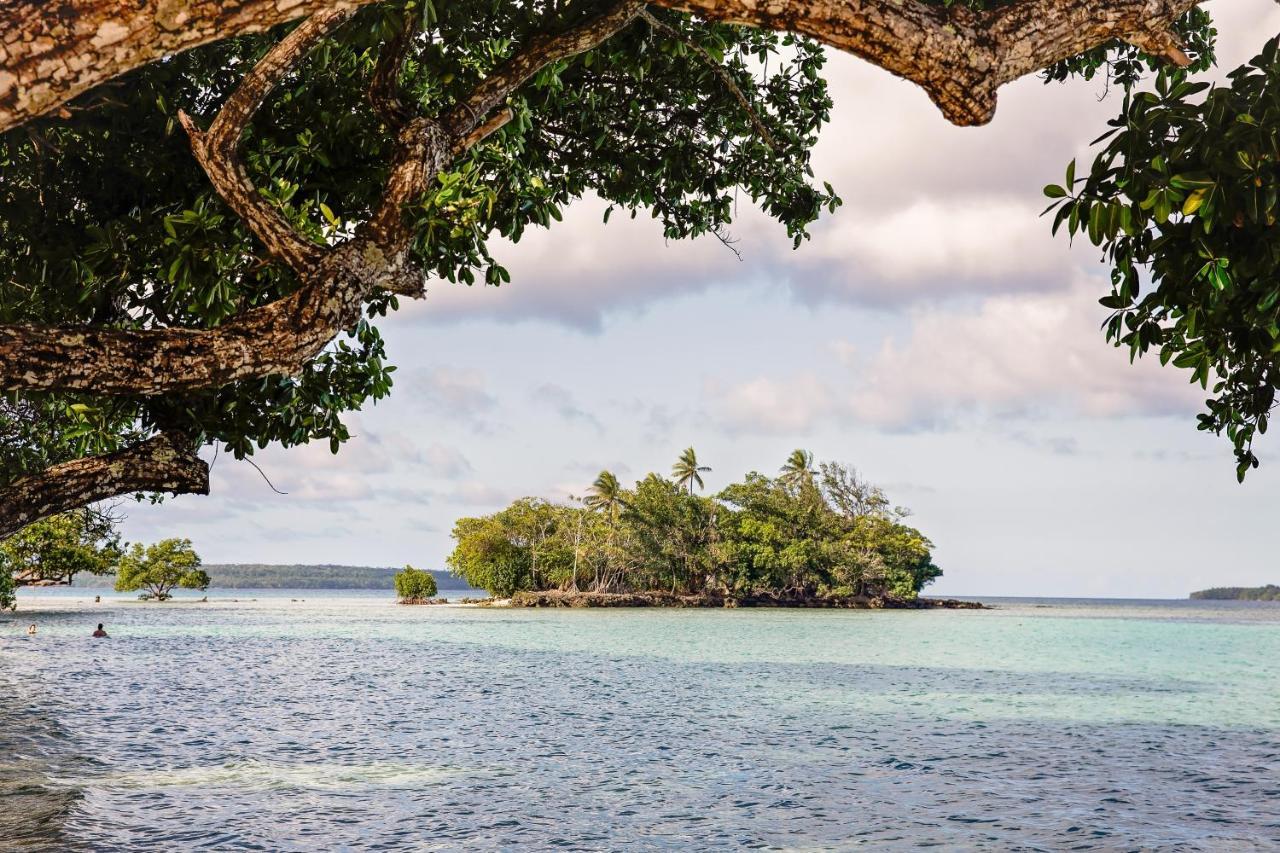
column 415, row 585
column 1183, row 201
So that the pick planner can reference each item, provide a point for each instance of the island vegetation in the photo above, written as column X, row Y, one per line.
column 54, row 550
column 1270, row 592
column 414, row 586
column 810, row 536
column 160, row 568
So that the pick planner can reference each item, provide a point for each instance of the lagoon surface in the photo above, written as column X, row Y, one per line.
column 320, row 720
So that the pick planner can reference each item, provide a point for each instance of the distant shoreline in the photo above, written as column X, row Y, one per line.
column 1270, row 592
column 244, row 576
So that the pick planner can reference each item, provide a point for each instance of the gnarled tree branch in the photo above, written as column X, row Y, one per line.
column 384, row 87
column 163, row 463
column 218, row 148
column 960, row 56
column 52, row 51
column 428, row 145
column 540, row 51
column 281, row 337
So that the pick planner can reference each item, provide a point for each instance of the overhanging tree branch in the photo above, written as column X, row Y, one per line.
column 55, row 50
column 163, row 463
column 541, row 50
column 428, row 145
column 960, row 56
column 281, row 337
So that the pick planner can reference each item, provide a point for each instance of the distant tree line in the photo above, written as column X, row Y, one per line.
column 1270, row 592
column 299, row 576
column 302, row 576
column 810, row 532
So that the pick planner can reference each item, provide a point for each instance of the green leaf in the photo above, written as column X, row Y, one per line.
column 1194, row 201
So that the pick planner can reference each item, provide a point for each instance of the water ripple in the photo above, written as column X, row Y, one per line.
column 327, row 727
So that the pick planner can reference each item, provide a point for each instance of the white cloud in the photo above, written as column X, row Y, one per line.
column 943, row 247
column 1015, row 355
column 582, row 269
column 482, row 494
column 771, row 406
column 562, row 401
column 446, row 462
column 1012, row 357
column 458, row 393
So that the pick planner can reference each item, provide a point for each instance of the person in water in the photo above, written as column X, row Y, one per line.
column 99, row 632
column 31, row 630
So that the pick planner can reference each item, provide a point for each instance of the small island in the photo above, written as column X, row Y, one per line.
column 1270, row 592
column 812, row 536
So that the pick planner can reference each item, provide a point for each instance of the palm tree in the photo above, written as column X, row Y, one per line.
column 605, row 495
column 797, row 469
column 687, row 471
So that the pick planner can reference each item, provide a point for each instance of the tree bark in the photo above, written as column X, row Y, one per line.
column 275, row 339
column 959, row 56
column 163, row 463
column 53, row 51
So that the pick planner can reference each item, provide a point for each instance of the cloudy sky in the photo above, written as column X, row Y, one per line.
column 932, row 333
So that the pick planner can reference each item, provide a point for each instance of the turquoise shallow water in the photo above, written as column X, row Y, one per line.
column 321, row 721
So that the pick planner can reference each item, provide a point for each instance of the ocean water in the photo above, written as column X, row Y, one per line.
column 339, row 721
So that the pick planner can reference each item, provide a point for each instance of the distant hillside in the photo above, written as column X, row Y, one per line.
column 259, row 576
column 1270, row 592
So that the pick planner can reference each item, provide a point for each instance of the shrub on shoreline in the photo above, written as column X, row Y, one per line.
column 415, row 585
